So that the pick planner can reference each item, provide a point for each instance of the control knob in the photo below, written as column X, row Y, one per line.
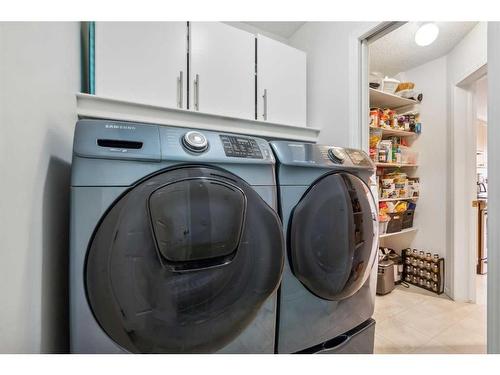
column 195, row 141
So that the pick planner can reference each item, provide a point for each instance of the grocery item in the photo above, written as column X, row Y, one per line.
column 405, row 86
column 386, row 145
column 389, row 85
column 374, row 116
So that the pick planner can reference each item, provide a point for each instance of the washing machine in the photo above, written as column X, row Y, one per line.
column 176, row 245
column 327, row 294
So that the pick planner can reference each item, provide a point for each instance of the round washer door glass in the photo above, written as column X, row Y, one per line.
column 183, row 261
column 333, row 236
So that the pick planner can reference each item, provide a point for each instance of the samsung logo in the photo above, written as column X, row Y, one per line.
column 123, row 127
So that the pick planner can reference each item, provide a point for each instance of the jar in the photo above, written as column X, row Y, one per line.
column 435, row 267
column 414, row 262
column 409, row 269
column 382, row 155
column 421, row 264
column 408, row 278
column 428, row 266
column 435, row 277
column 421, row 255
column 407, row 260
column 435, row 287
column 428, row 284
column 428, row 275
column 421, row 281
column 435, row 258
column 421, row 273
column 428, row 257
column 415, row 253
column 415, row 270
column 415, row 280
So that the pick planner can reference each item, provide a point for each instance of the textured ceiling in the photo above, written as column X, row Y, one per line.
column 281, row 28
column 397, row 51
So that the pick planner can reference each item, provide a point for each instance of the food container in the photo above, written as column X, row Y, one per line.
column 428, row 266
column 421, row 263
column 435, row 287
column 428, row 275
column 374, row 117
column 414, row 262
column 421, row 273
column 428, row 284
column 421, row 255
column 435, row 268
column 415, row 279
column 388, row 183
column 435, row 258
column 408, row 278
column 435, row 277
column 390, row 85
column 382, row 226
column 421, row 281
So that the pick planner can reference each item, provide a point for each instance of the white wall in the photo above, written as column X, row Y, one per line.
column 463, row 61
column 39, row 75
column 329, row 66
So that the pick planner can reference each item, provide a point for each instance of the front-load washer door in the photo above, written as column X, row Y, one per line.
column 182, row 262
column 333, row 236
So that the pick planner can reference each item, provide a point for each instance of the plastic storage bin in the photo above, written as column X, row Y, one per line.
column 396, row 223
column 407, row 219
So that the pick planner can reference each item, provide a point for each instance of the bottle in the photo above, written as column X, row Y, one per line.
column 398, row 155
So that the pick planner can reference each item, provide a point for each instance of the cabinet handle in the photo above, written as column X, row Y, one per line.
column 180, row 85
column 197, row 93
column 264, row 115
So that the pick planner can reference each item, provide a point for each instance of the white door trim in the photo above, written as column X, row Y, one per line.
column 493, row 303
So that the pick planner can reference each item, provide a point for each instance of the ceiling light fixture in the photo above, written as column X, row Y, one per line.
column 426, row 34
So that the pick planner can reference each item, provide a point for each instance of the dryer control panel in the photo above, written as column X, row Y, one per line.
column 241, row 147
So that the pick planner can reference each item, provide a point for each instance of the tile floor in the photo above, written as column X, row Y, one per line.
column 414, row 321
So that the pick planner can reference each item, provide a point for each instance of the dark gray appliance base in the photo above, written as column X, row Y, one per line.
column 358, row 340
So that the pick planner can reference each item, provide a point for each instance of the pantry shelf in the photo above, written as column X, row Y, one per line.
column 382, row 99
column 394, row 132
column 408, row 230
column 394, row 165
column 397, row 199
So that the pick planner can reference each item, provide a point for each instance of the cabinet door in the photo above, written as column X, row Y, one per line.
column 222, row 70
column 143, row 62
column 281, row 82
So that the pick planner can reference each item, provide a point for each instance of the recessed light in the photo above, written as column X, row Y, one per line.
column 426, row 34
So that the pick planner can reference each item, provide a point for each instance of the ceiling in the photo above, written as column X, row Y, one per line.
column 283, row 29
column 397, row 51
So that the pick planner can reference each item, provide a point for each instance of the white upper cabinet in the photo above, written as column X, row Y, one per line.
column 143, row 62
column 222, row 70
column 281, row 82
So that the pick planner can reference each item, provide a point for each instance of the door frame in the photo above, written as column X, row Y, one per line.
column 493, row 298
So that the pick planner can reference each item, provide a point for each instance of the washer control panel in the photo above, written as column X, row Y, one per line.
column 240, row 147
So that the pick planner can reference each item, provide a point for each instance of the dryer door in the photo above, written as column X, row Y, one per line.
column 182, row 262
column 333, row 236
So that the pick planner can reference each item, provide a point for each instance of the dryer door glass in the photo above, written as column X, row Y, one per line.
column 183, row 261
column 333, row 236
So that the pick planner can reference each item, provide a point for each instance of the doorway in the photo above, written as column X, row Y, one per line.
column 432, row 149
